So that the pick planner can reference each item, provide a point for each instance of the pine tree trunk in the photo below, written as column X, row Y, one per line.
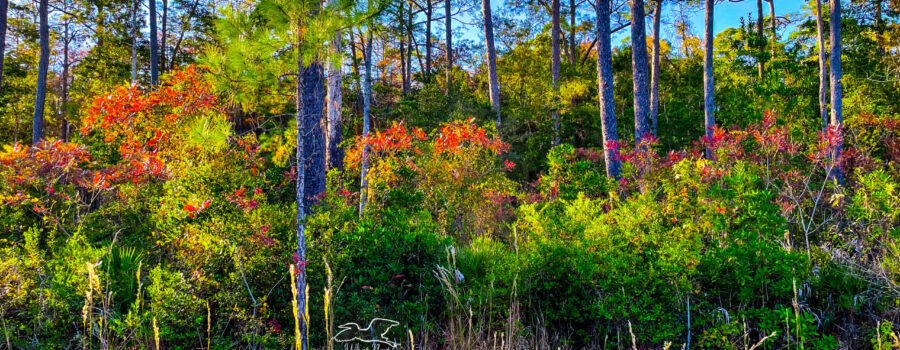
column 708, row 105
column 837, row 116
column 823, row 75
column 162, row 46
column 639, row 71
column 774, row 27
column 64, row 121
column 429, row 11
column 154, row 47
column 409, row 48
column 449, row 32
column 573, row 47
column 335, row 102
column 492, row 58
column 134, row 41
column 4, row 10
column 300, row 254
column 367, row 95
column 37, row 132
column 605, row 87
column 554, row 68
column 761, row 64
column 314, row 139
column 654, row 68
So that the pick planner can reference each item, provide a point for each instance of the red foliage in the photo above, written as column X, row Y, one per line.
column 456, row 136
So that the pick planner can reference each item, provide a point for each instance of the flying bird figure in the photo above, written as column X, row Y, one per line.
column 378, row 326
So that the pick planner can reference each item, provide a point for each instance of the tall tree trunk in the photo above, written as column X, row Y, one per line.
column 449, row 28
column 554, row 68
column 761, row 64
column 335, row 100
column 654, row 67
column 429, row 12
column 37, row 132
column 639, row 71
column 605, row 87
column 409, row 48
column 4, row 10
column 708, row 105
column 823, row 77
column 774, row 24
column 134, row 41
column 154, row 47
column 837, row 116
column 492, row 58
column 165, row 26
column 402, row 40
column 300, row 254
column 314, row 140
column 64, row 121
column 367, row 95
column 573, row 47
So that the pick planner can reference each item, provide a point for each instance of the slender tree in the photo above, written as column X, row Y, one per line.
column 708, row 104
column 4, row 9
column 492, row 58
column 761, row 64
column 367, row 95
column 605, row 87
column 837, row 116
column 335, row 131
column 823, row 77
column 448, row 20
column 300, row 277
column 154, row 46
column 135, row 34
column 639, row 71
column 573, row 46
column 654, row 67
column 773, row 23
column 164, row 35
column 37, row 132
column 554, row 66
column 429, row 14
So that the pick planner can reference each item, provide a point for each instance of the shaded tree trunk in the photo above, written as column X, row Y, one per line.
column 774, row 27
column 162, row 44
column 314, row 139
column 429, row 12
column 823, row 77
column 154, row 46
column 605, row 87
column 554, row 67
column 37, row 132
column 639, row 71
column 837, row 116
column 708, row 104
column 4, row 10
column 409, row 48
column 64, row 121
column 134, row 41
column 492, row 59
column 654, row 68
column 367, row 95
column 573, row 47
column 335, row 131
column 761, row 64
column 449, row 27
column 300, row 254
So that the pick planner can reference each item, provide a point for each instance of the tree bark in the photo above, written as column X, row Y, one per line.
column 761, row 64
column 449, row 28
column 335, row 131
column 300, row 254
column 708, row 104
column 134, row 41
column 314, row 140
column 492, row 59
column 823, row 75
column 774, row 27
column 154, row 46
column 605, row 87
column 554, row 67
column 37, row 132
column 409, row 48
column 64, row 121
column 429, row 12
column 837, row 116
column 4, row 10
column 367, row 95
column 573, row 47
column 654, row 68
column 639, row 71
column 162, row 46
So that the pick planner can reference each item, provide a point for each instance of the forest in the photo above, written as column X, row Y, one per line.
column 450, row 174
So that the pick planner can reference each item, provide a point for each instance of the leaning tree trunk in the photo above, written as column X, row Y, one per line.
column 492, row 58
column 639, row 71
column 43, row 65
column 837, row 116
column 654, row 68
column 761, row 64
column 605, row 87
column 554, row 68
column 708, row 105
column 367, row 95
column 154, row 47
column 300, row 254
column 4, row 10
column 823, row 77
column 335, row 132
